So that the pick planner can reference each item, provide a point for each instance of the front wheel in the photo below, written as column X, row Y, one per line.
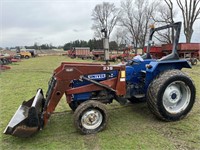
column 171, row 95
column 90, row 117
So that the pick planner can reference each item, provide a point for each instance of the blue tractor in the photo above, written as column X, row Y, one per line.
column 169, row 92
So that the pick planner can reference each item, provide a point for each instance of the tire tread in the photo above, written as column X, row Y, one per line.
column 155, row 86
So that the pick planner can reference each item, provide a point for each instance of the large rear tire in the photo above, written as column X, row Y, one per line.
column 171, row 95
column 90, row 117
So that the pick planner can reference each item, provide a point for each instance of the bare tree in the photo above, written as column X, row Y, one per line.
column 165, row 15
column 121, row 37
column 136, row 18
column 105, row 16
column 190, row 11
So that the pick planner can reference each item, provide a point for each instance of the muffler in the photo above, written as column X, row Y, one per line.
column 27, row 119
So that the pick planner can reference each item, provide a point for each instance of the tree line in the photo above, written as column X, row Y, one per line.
column 92, row 44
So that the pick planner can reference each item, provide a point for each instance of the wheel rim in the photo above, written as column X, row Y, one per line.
column 92, row 119
column 176, row 97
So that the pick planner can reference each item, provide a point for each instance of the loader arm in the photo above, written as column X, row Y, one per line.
column 67, row 72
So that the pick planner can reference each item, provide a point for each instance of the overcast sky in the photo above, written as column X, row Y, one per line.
column 24, row 22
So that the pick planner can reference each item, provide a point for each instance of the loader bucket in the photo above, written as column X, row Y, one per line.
column 27, row 119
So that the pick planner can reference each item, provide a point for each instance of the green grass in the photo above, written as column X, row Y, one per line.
column 129, row 127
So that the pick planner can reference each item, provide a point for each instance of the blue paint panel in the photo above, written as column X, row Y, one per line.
column 81, row 96
column 166, row 65
column 133, row 72
column 160, row 66
column 97, row 77
column 129, row 73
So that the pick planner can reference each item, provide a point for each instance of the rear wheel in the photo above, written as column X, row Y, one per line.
column 90, row 117
column 171, row 95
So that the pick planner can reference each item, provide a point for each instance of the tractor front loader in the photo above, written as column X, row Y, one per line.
column 170, row 93
column 34, row 114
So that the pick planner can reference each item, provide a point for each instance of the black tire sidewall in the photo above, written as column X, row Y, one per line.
column 80, row 111
column 183, row 113
column 99, row 128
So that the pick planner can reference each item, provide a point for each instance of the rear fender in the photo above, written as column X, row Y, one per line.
column 156, row 67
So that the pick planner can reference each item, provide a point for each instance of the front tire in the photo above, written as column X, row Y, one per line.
column 171, row 95
column 90, row 117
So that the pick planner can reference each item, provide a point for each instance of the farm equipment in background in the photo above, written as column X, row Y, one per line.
column 98, row 54
column 32, row 51
column 155, row 52
column 4, row 61
column 24, row 54
column 71, row 53
column 4, row 67
column 80, row 52
column 189, row 51
column 128, row 54
column 114, row 55
column 170, row 93
column 8, row 59
column 123, row 56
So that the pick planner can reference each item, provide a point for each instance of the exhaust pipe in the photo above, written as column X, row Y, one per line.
column 27, row 119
